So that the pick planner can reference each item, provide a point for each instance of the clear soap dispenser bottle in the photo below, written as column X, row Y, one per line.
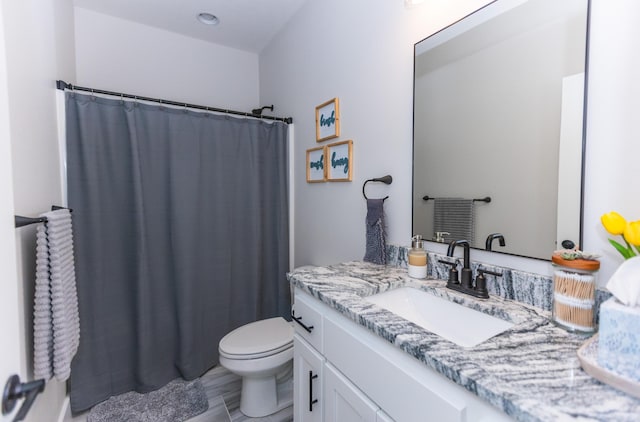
column 417, row 258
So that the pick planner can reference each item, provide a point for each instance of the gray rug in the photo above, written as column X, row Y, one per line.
column 175, row 402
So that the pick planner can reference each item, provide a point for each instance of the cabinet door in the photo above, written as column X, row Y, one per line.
column 343, row 401
column 307, row 382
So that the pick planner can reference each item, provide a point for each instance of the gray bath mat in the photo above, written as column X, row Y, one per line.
column 175, row 402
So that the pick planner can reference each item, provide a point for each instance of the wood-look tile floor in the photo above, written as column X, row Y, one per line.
column 223, row 392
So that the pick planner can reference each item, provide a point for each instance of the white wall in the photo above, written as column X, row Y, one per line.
column 39, row 38
column 613, row 143
column 119, row 55
column 363, row 54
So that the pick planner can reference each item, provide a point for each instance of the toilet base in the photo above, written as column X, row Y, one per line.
column 259, row 397
column 261, row 360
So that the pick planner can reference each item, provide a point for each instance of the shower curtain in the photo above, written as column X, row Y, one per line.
column 181, row 235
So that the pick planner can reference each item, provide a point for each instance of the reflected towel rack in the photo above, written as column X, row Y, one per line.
column 384, row 179
column 486, row 199
column 21, row 221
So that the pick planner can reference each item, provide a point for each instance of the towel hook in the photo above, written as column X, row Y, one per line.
column 384, row 179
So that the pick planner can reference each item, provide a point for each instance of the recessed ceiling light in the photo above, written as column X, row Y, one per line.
column 208, row 18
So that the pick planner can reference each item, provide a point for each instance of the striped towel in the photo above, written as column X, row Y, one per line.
column 56, row 322
column 456, row 216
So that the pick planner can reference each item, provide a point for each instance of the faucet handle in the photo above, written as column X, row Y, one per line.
column 453, row 271
column 495, row 273
column 481, row 282
column 440, row 236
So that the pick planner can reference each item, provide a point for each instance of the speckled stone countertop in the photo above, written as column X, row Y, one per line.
column 531, row 371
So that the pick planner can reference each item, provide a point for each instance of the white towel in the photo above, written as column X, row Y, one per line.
column 56, row 322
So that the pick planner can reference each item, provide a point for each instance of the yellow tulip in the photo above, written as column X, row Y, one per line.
column 613, row 222
column 632, row 232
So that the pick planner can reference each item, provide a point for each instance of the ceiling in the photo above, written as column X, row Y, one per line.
column 247, row 25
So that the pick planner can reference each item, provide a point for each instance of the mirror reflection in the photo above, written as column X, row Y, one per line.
column 498, row 127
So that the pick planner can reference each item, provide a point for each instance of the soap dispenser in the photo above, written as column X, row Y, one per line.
column 417, row 258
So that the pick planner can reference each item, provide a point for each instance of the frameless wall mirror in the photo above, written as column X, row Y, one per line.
column 499, row 100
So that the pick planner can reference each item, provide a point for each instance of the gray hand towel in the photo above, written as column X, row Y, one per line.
column 376, row 243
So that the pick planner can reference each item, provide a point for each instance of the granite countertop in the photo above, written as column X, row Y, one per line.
column 531, row 371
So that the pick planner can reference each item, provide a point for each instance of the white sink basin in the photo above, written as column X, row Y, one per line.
column 461, row 325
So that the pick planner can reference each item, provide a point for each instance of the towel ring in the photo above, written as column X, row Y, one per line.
column 384, row 179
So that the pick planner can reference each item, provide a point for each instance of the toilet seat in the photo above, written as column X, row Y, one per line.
column 257, row 339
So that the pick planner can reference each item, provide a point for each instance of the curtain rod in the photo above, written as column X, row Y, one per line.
column 62, row 85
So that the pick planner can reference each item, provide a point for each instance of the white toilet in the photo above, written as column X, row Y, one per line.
column 259, row 352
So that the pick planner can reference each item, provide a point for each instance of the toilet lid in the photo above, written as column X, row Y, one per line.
column 258, row 337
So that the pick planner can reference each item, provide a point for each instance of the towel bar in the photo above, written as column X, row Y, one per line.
column 21, row 221
column 486, row 199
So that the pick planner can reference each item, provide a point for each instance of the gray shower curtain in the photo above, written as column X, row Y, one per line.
column 181, row 234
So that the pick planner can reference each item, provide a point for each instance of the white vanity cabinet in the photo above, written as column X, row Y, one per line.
column 321, row 392
column 308, row 366
column 362, row 377
column 343, row 401
column 308, row 362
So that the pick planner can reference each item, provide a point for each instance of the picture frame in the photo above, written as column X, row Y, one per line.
column 316, row 165
column 328, row 120
column 339, row 161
